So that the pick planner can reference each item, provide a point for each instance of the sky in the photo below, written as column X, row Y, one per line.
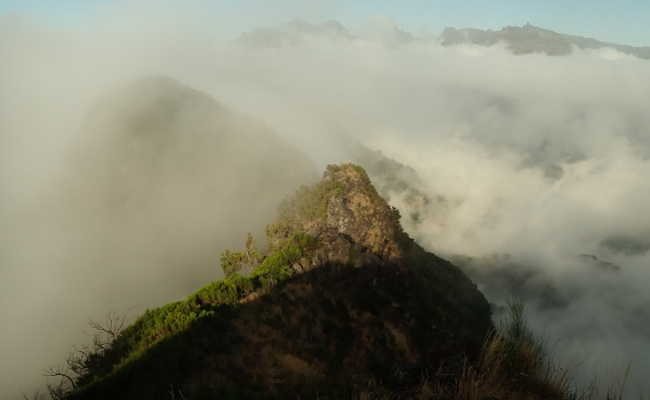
column 624, row 21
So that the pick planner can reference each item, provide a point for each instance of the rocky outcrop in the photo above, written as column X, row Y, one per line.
column 343, row 211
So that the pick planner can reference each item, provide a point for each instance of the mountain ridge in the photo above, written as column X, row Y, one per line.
column 341, row 298
column 532, row 39
column 525, row 39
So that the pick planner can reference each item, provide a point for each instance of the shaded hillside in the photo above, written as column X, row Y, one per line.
column 163, row 178
column 531, row 39
column 342, row 303
column 154, row 140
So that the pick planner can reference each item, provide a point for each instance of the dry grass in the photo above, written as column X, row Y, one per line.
column 514, row 365
column 511, row 370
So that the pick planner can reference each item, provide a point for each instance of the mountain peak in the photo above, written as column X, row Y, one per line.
column 342, row 302
column 528, row 39
column 343, row 209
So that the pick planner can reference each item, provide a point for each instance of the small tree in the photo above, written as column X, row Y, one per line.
column 233, row 262
column 85, row 360
column 253, row 257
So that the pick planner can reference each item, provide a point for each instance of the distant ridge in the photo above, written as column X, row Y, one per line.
column 532, row 39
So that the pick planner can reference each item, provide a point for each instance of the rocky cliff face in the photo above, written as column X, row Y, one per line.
column 344, row 211
column 343, row 304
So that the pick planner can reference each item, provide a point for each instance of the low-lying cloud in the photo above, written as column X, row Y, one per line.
column 528, row 170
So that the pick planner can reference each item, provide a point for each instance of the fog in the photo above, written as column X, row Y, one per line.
column 134, row 149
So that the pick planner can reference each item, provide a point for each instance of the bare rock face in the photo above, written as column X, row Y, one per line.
column 361, row 214
column 345, row 212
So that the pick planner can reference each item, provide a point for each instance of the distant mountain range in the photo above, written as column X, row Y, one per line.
column 532, row 39
column 526, row 39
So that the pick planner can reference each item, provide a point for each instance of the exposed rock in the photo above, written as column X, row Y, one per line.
column 342, row 210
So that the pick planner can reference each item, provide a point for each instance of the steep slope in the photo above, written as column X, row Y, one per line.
column 342, row 303
column 531, row 39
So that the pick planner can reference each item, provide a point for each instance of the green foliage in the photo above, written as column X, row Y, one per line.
column 159, row 323
column 311, row 202
column 276, row 267
column 227, row 291
column 233, row 262
column 358, row 168
column 308, row 203
column 165, row 322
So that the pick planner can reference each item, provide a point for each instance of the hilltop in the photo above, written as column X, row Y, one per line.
column 342, row 302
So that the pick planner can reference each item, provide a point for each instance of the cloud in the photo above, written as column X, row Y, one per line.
column 539, row 158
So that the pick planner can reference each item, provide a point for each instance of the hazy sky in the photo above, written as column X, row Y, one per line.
column 623, row 21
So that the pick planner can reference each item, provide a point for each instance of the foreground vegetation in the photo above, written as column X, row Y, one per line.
column 513, row 365
column 114, row 347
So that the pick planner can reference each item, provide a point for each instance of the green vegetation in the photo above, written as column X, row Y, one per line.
column 310, row 203
column 276, row 267
column 233, row 262
column 355, row 329
column 307, row 204
column 158, row 325
column 513, row 365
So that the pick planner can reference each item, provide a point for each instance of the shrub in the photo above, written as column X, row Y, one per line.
column 308, row 203
column 233, row 262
